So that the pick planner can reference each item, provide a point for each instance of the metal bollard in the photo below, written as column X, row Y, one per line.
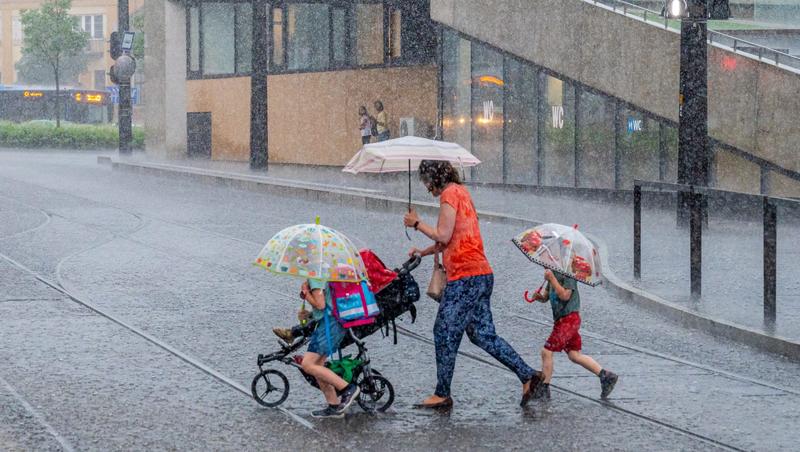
column 770, row 260
column 637, row 231
column 696, row 243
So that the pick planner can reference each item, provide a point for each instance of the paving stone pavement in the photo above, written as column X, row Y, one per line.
column 173, row 259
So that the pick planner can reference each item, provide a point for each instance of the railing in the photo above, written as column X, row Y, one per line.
column 718, row 39
column 696, row 200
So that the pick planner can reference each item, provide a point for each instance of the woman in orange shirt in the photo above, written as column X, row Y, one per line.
column 465, row 302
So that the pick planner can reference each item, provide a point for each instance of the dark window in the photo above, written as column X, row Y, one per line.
column 339, row 35
column 218, row 27
column 557, row 129
column 595, row 140
column 369, row 33
column 487, row 113
column 97, row 29
column 521, row 122
column 395, row 34
column 277, row 37
column 244, row 38
column 308, row 36
column 456, row 110
column 194, row 39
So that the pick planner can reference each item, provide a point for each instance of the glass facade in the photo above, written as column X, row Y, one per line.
column 218, row 20
column 530, row 126
column 369, row 33
column 557, row 125
column 595, row 135
column 638, row 143
column 487, row 113
column 521, row 125
column 307, row 36
column 307, row 30
column 456, row 86
column 244, row 37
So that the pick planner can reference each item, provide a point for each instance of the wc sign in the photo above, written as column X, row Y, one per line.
column 558, row 116
column 634, row 125
column 488, row 110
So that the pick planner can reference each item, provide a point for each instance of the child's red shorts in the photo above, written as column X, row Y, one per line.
column 565, row 336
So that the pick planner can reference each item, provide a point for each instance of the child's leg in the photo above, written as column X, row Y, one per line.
column 314, row 365
column 586, row 361
column 547, row 365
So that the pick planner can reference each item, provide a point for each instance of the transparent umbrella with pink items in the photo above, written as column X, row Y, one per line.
column 562, row 249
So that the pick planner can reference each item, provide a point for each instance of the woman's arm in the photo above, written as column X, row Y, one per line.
column 436, row 247
column 443, row 231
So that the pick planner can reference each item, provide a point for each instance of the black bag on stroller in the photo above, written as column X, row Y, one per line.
column 394, row 300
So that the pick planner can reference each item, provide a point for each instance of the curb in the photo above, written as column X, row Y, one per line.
column 368, row 201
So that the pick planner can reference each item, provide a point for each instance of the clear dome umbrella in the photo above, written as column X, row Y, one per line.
column 562, row 249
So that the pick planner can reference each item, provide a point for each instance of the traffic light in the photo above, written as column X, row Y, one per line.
column 719, row 10
column 112, row 74
column 116, row 45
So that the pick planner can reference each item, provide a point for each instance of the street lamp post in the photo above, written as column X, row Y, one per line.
column 125, row 107
column 694, row 157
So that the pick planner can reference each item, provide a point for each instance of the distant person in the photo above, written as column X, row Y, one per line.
column 381, row 122
column 365, row 125
column 562, row 293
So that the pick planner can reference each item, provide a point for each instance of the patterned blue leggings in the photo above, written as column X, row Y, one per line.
column 465, row 307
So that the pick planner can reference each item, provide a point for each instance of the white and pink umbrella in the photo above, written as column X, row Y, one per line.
column 405, row 154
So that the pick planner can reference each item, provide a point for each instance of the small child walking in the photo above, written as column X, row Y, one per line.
column 565, row 301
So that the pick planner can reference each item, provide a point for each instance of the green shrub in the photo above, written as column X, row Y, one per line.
column 45, row 135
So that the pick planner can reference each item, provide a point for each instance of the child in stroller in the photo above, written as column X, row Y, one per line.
column 395, row 292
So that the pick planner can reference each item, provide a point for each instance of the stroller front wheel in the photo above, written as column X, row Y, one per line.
column 377, row 393
column 270, row 388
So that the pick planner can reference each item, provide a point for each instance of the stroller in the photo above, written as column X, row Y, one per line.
column 396, row 292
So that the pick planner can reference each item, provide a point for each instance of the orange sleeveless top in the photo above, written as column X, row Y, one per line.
column 464, row 255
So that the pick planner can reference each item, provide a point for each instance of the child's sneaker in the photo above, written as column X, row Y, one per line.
column 285, row 334
column 607, row 382
column 330, row 411
column 349, row 395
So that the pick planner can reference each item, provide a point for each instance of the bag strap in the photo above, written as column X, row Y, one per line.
column 328, row 336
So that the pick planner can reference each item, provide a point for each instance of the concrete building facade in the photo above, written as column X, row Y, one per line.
column 579, row 96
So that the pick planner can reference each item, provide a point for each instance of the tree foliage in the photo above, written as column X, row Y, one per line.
column 34, row 71
column 51, row 36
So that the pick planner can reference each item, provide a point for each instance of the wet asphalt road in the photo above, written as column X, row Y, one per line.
column 166, row 266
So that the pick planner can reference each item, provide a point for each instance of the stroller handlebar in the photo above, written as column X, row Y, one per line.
column 412, row 263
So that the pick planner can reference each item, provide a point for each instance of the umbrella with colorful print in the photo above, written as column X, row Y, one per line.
column 313, row 251
column 562, row 249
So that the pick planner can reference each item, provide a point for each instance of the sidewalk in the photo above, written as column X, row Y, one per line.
column 732, row 250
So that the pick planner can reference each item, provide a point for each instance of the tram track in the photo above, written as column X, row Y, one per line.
column 60, row 287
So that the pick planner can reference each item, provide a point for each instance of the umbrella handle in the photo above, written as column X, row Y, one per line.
column 538, row 291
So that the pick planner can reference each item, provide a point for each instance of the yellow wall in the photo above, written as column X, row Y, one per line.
column 10, row 51
column 313, row 117
column 228, row 100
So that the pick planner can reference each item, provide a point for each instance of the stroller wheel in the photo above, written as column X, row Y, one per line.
column 270, row 388
column 377, row 393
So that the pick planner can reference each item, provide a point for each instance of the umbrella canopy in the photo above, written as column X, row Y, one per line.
column 313, row 251
column 404, row 153
column 562, row 249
